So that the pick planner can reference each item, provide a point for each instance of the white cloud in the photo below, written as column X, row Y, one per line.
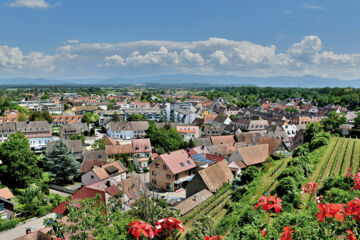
column 214, row 56
column 72, row 41
column 311, row 6
column 28, row 3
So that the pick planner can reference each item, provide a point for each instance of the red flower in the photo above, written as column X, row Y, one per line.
column 349, row 172
column 263, row 232
column 287, row 234
column 353, row 208
column 351, row 235
column 168, row 224
column 330, row 210
column 138, row 228
column 357, row 181
column 310, row 187
column 214, row 238
column 269, row 203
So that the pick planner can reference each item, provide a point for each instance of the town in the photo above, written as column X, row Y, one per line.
column 68, row 155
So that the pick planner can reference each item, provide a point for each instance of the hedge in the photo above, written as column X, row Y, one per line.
column 8, row 224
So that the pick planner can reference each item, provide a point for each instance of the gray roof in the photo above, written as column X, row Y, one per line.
column 94, row 155
column 203, row 141
column 7, row 127
column 33, row 126
column 133, row 125
column 75, row 145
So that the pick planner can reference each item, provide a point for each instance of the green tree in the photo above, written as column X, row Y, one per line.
column 32, row 199
column 334, row 120
column 99, row 144
column 115, row 117
column 311, row 130
column 136, row 117
column 40, row 116
column 78, row 137
column 90, row 118
column 203, row 226
column 19, row 164
column 110, row 106
column 61, row 164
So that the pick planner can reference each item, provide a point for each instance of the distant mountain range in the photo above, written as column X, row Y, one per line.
column 187, row 81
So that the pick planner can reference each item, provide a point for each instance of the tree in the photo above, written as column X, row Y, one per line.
column 357, row 121
column 110, row 106
column 90, row 118
column 19, row 164
column 136, row 117
column 61, row 164
column 22, row 117
column 334, row 120
column 99, row 144
column 115, row 117
column 249, row 174
column 40, row 116
column 201, row 227
column 311, row 130
column 31, row 200
column 105, row 221
column 78, row 137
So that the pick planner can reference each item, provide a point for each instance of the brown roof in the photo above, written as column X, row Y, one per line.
column 99, row 155
column 141, row 145
column 118, row 149
column 178, row 161
column 273, row 143
column 87, row 165
column 253, row 155
column 5, row 193
column 133, row 187
column 109, row 140
column 222, row 139
column 248, row 137
column 216, row 175
column 192, row 202
column 101, row 172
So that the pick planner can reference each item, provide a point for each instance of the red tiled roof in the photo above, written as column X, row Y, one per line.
column 113, row 190
column 178, row 161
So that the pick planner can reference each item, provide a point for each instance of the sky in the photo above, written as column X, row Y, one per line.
column 70, row 39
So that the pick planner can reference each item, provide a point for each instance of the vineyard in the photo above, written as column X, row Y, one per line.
column 341, row 154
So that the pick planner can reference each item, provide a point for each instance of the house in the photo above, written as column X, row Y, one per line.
column 91, row 159
column 193, row 201
column 73, row 129
column 221, row 119
column 216, row 140
column 248, row 137
column 5, row 130
column 97, row 173
column 205, row 141
column 251, row 155
column 75, row 146
column 213, row 129
column 172, row 170
column 275, row 145
column 37, row 132
column 6, row 206
column 188, row 132
column 211, row 178
column 58, row 120
column 142, row 151
column 290, row 130
column 127, row 130
column 252, row 125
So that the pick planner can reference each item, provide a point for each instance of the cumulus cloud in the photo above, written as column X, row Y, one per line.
column 214, row 56
column 28, row 3
column 72, row 41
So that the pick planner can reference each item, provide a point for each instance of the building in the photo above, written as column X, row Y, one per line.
column 249, row 156
column 53, row 108
column 172, row 171
column 211, row 179
column 38, row 133
column 67, row 131
column 58, row 120
column 127, row 130
column 193, row 201
column 97, row 173
column 75, row 146
column 5, row 130
column 188, row 132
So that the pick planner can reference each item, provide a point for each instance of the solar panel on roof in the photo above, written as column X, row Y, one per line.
column 200, row 158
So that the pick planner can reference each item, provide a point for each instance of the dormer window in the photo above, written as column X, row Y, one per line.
column 182, row 164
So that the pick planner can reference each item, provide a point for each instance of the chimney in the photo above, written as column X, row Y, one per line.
column 28, row 231
column 169, row 152
column 195, row 198
column 107, row 183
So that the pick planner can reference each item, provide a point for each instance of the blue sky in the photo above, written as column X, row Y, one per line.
column 229, row 37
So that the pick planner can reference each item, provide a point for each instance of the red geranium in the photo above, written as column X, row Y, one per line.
column 310, row 188
column 214, row 238
column 287, row 234
column 330, row 210
column 353, row 208
column 268, row 203
column 351, row 235
column 349, row 172
column 138, row 228
column 357, row 181
column 168, row 224
column 263, row 232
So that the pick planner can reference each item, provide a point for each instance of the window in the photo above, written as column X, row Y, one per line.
column 153, row 173
column 188, row 161
column 153, row 181
column 157, row 165
column 177, row 177
column 182, row 164
column 168, row 186
column 165, row 167
column 168, row 176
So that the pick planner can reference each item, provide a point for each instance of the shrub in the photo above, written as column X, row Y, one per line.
column 302, row 150
column 249, row 174
column 287, row 190
column 8, row 224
